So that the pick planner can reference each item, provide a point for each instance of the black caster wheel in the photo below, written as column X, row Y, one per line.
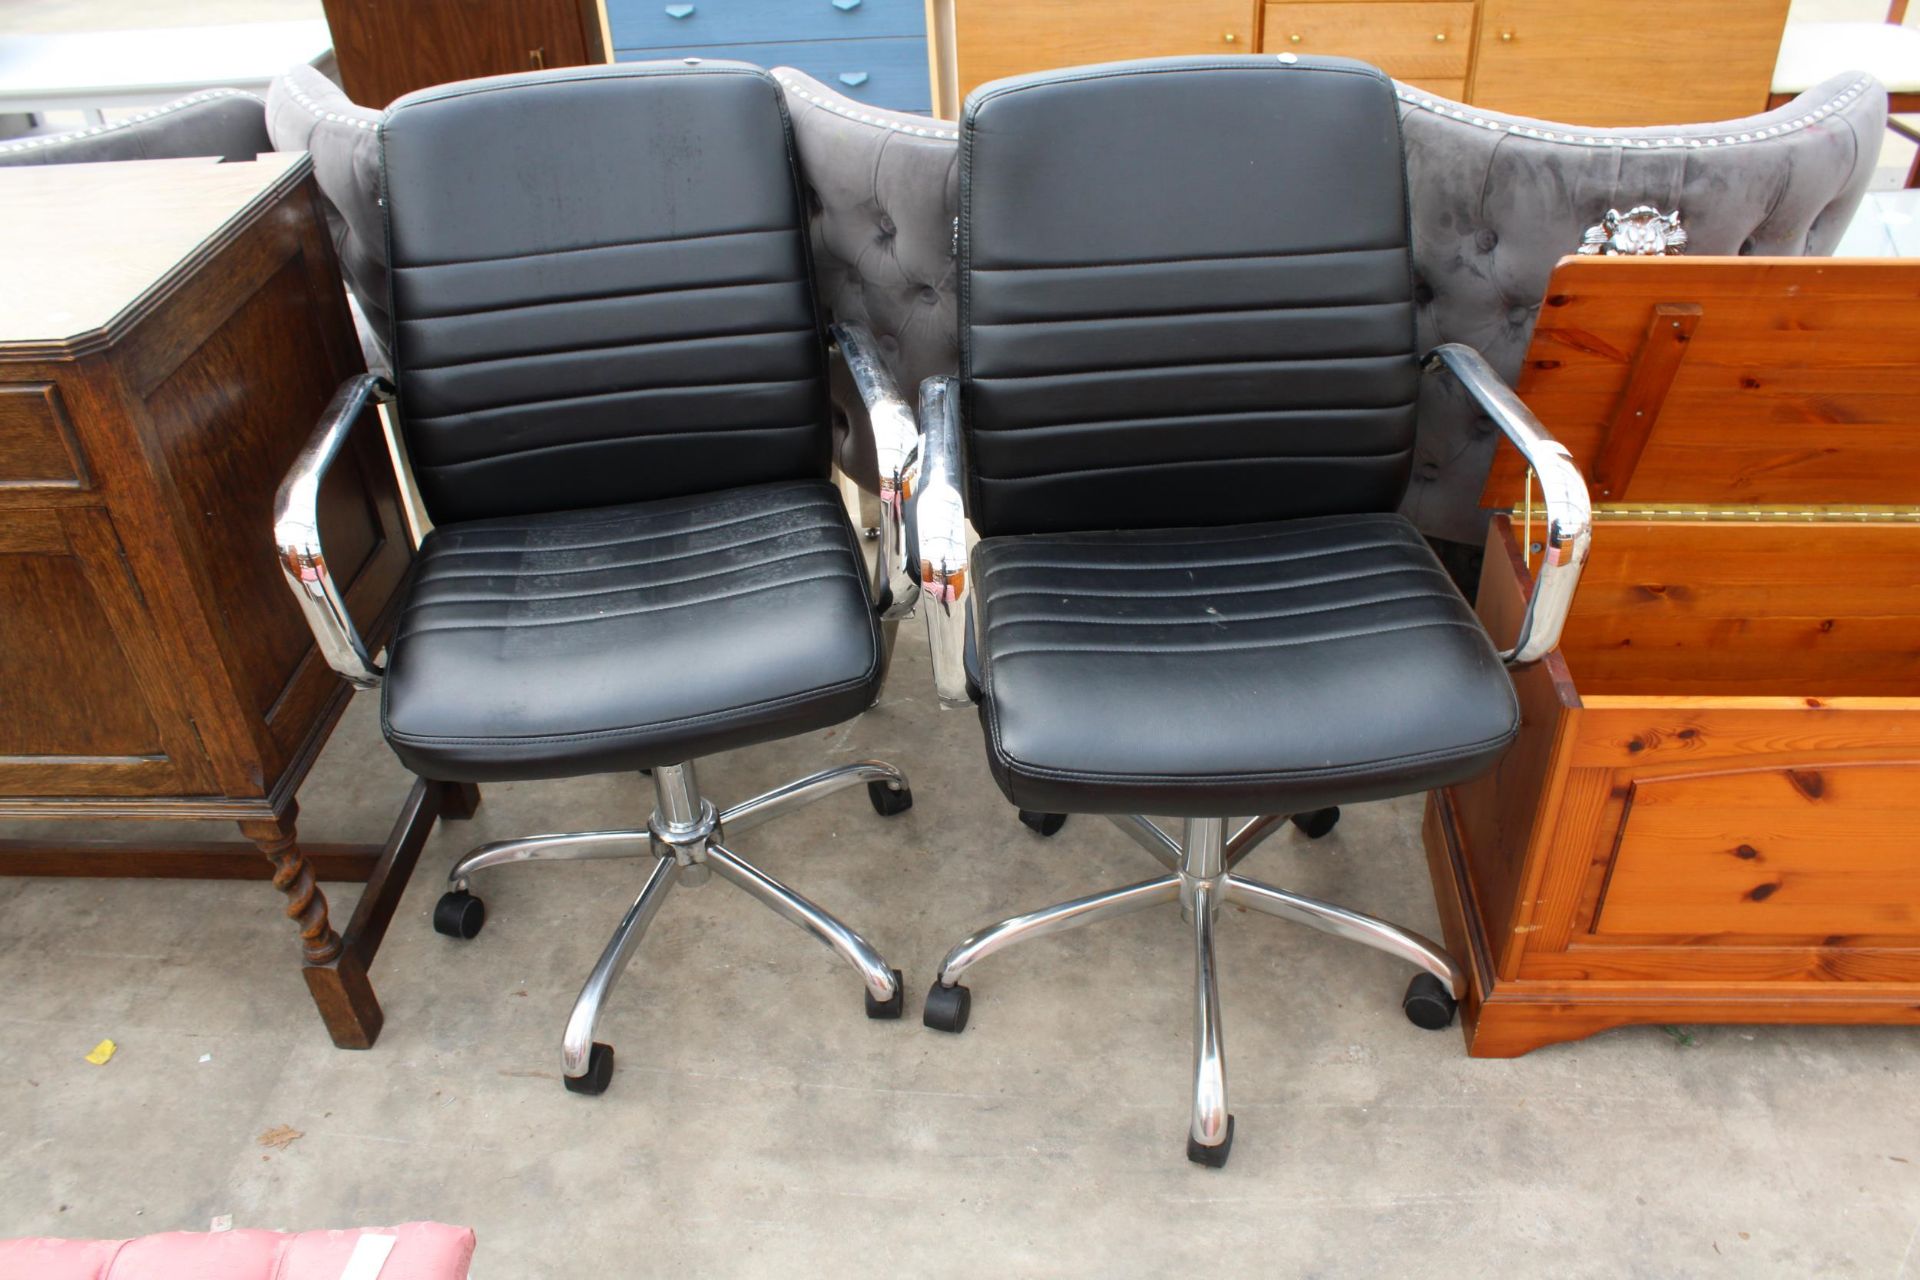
column 1316, row 822
column 947, row 1008
column 1212, row 1157
column 1428, row 1004
column 891, row 1008
column 1046, row 824
column 599, row 1072
column 886, row 801
column 459, row 914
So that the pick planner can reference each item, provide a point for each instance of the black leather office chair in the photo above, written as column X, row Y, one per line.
column 1183, row 420
column 612, row 388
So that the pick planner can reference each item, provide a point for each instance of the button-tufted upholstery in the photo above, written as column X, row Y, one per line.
column 1496, row 201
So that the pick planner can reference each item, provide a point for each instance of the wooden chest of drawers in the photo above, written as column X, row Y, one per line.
column 170, row 331
column 1634, row 62
column 1710, row 813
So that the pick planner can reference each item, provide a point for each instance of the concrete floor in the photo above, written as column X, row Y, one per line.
column 758, row 1124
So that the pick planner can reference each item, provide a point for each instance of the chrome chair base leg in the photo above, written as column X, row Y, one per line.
column 683, row 838
column 1203, row 877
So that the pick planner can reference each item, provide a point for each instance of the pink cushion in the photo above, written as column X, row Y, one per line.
column 421, row 1251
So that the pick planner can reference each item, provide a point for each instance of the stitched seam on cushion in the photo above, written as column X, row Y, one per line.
column 522, row 571
column 601, row 349
column 1074, row 320
column 442, row 550
column 589, row 442
column 1293, row 529
column 1385, row 765
column 1325, row 637
column 1157, row 422
column 1288, row 459
column 1169, row 262
column 1203, row 593
column 517, row 596
column 420, row 317
column 550, row 401
column 1220, row 621
column 592, row 735
column 595, row 248
column 1106, row 371
column 1085, row 570
column 526, row 623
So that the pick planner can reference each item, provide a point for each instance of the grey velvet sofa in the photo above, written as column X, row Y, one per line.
column 308, row 112
column 1497, row 200
column 229, row 123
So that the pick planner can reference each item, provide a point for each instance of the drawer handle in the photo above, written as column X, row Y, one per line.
column 853, row 79
column 846, row 6
column 1230, row 37
column 1440, row 36
column 679, row 11
column 1294, row 38
column 1506, row 37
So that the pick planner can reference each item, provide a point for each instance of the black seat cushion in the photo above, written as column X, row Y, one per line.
column 620, row 637
column 1269, row 668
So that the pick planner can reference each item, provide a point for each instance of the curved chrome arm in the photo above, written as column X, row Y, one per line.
column 896, row 445
column 296, row 532
column 937, row 538
column 1569, row 510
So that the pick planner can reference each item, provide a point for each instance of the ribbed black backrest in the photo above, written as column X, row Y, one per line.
column 600, row 288
column 1185, row 295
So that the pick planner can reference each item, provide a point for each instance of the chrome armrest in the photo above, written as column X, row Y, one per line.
column 1569, row 510
column 937, row 538
column 896, row 445
column 296, row 532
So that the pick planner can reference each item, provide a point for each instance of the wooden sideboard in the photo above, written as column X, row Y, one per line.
column 1635, row 62
column 170, row 331
column 389, row 47
column 1709, row 813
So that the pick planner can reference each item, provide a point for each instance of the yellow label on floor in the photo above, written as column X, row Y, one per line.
column 101, row 1052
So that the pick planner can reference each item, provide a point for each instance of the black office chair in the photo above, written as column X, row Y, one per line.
column 612, row 388
column 1183, row 420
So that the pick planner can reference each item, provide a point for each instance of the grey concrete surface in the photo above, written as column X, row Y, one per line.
column 759, row 1125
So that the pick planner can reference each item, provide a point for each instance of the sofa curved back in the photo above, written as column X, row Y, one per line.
column 1496, row 201
column 229, row 123
column 308, row 112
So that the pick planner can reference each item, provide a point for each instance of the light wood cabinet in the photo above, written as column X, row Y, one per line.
column 1428, row 43
column 1676, row 62
column 1639, row 62
column 980, row 40
column 1708, row 815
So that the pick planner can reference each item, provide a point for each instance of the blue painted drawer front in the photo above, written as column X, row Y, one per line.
column 674, row 24
column 881, row 73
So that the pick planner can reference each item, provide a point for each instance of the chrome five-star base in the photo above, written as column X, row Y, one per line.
column 683, row 837
column 1200, row 879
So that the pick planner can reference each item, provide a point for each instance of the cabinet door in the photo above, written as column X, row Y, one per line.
column 1679, row 62
column 995, row 38
column 386, row 49
column 88, row 705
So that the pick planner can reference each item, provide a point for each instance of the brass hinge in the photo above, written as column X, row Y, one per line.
column 1678, row 511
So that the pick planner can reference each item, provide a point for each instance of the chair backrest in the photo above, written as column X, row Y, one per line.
column 1163, row 324
column 600, row 288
